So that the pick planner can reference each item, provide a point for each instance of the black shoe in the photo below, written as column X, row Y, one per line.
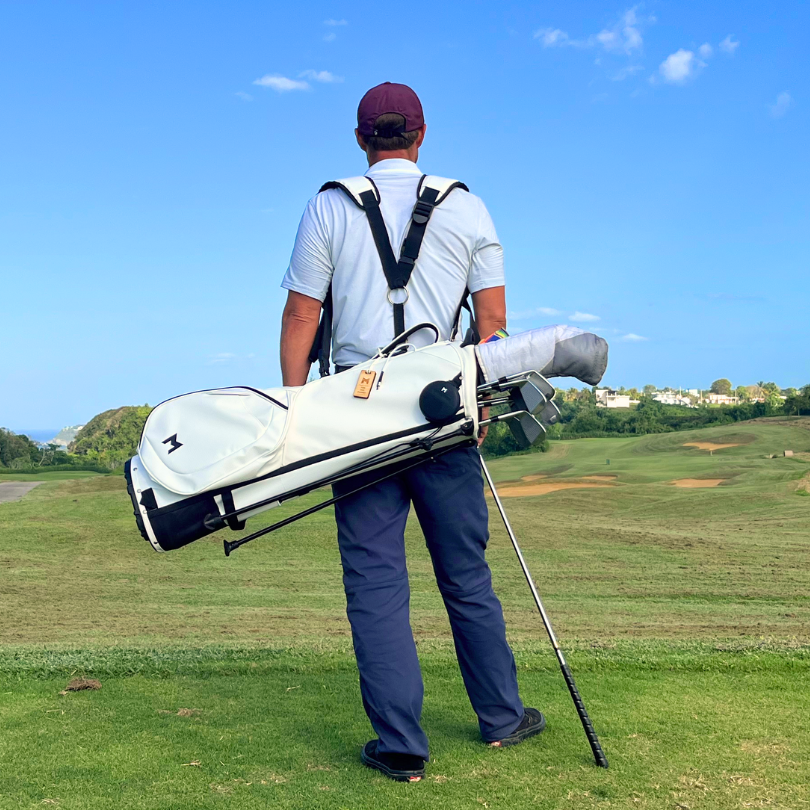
column 532, row 723
column 401, row 767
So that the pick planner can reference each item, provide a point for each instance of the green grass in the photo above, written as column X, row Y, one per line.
column 686, row 614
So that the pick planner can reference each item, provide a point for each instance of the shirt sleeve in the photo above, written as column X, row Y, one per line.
column 310, row 270
column 486, row 269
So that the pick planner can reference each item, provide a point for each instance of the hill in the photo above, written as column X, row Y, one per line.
column 111, row 437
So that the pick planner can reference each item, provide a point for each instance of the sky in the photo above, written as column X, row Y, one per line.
column 646, row 167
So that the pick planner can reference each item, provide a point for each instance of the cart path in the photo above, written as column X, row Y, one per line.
column 14, row 490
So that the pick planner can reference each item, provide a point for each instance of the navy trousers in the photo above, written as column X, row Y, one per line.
column 448, row 496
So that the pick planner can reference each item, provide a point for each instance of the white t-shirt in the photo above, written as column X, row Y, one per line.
column 460, row 251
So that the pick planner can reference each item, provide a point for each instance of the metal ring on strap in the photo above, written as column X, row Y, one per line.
column 397, row 289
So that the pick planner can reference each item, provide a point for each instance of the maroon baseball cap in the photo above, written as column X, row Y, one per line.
column 389, row 98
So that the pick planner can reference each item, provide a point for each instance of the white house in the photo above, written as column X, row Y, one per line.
column 608, row 398
column 671, row 398
column 721, row 399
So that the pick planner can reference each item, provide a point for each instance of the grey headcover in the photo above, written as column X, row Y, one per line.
column 553, row 351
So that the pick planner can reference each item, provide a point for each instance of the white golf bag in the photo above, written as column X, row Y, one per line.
column 211, row 459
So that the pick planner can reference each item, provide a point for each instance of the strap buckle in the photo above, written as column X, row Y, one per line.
column 422, row 211
column 396, row 290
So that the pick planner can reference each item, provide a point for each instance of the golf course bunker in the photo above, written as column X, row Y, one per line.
column 698, row 483
column 710, row 445
column 529, row 490
column 14, row 490
column 598, row 477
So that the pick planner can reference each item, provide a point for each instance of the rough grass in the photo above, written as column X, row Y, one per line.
column 686, row 613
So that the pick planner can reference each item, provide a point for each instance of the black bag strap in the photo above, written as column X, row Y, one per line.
column 322, row 345
column 397, row 271
column 232, row 521
column 471, row 336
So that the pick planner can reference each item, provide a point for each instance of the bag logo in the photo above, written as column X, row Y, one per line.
column 175, row 444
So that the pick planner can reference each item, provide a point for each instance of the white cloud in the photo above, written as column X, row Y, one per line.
column 243, row 96
column 281, row 84
column 553, row 37
column 526, row 315
column 221, row 357
column 330, row 37
column 334, row 23
column 705, row 50
column 583, row 317
column 625, row 72
column 680, row 66
column 631, row 336
column 622, row 37
column 321, row 76
column 783, row 103
column 728, row 45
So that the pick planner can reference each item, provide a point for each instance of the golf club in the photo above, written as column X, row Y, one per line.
column 599, row 755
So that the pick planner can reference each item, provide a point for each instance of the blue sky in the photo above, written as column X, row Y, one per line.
column 646, row 167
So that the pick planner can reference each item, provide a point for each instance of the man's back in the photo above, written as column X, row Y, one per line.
column 460, row 252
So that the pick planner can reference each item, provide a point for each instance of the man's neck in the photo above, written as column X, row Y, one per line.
column 399, row 154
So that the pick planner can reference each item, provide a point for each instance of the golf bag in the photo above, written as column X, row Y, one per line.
column 211, row 459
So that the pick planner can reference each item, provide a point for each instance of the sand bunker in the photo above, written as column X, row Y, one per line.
column 698, row 483
column 710, row 445
column 534, row 477
column 543, row 489
column 598, row 477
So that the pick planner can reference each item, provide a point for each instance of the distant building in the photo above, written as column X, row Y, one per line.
column 671, row 398
column 694, row 392
column 721, row 399
column 608, row 398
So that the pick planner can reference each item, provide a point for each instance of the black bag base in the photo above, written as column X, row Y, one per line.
column 172, row 526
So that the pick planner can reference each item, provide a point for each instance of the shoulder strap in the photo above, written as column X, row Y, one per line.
column 362, row 191
column 353, row 188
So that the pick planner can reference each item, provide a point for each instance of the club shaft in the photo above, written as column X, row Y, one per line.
column 590, row 733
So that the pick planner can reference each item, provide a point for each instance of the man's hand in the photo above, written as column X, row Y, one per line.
column 490, row 315
column 482, row 431
column 299, row 323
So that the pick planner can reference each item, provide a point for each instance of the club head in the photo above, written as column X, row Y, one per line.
column 526, row 430
column 541, row 383
column 528, row 397
column 549, row 415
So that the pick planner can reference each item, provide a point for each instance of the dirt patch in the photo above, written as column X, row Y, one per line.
column 698, row 483
column 534, row 477
column 530, row 490
column 710, row 445
column 598, row 477
column 80, row 684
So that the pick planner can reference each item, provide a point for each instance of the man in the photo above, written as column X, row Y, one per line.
column 336, row 254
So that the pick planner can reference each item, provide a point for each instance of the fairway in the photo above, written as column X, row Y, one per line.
column 685, row 610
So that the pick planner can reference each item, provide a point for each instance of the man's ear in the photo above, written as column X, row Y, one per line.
column 421, row 137
column 360, row 142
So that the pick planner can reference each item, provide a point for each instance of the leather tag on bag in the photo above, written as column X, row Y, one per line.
column 364, row 384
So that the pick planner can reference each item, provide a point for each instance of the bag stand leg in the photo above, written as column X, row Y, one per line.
column 230, row 545
column 598, row 754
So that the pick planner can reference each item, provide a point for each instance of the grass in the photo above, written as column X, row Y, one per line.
column 686, row 614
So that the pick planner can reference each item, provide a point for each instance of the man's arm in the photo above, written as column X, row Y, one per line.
column 299, row 323
column 489, row 306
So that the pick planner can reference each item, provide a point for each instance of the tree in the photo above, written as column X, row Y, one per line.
column 649, row 390
column 722, row 387
column 770, row 387
column 741, row 392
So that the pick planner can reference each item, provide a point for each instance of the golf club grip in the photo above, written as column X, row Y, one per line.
column 598, row 753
